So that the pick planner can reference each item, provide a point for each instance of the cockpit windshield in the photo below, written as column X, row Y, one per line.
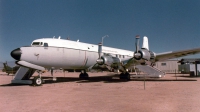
column 37, row 44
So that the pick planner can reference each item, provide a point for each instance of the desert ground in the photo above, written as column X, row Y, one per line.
column 103, row 92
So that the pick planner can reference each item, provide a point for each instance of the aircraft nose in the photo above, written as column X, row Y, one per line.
column 16, row 54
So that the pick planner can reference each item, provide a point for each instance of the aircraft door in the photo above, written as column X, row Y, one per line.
column 85, row 62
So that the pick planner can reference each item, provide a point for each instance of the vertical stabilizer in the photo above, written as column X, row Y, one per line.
column 6, row 67
column 145, row 44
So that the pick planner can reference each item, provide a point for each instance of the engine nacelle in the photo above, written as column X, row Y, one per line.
column 144, row 54
column 108, row 60
column 153, row 55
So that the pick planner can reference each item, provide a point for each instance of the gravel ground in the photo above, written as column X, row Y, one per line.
column 102, row 93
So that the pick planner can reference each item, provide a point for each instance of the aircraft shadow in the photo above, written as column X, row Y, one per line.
column 4, row 74
column 104, row 79
column 186, row 76
column 4, row 85
column 78, row 80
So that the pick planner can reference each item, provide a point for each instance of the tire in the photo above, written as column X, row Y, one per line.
column 124, row 76
column 83, row 76
column 121, row 76
column 128, row 76
column 86, row 76
column 37, row 81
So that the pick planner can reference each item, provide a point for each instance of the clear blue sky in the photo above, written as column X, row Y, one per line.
column 169, row 24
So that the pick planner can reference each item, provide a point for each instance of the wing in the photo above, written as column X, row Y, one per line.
column 176, row 54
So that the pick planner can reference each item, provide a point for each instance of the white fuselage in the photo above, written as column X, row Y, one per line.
column 67, row 54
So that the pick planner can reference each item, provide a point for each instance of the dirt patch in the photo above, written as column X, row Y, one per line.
column 102, row 92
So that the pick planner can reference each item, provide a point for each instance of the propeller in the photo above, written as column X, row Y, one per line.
column 137, row 55
column 100, row 60
column 99, row 49
column 137, row 42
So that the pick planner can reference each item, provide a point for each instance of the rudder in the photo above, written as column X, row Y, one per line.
column 145, row 44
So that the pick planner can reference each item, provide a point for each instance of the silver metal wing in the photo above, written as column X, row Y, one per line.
column 176, row 54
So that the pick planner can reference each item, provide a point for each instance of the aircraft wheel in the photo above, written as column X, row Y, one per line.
column 125, row 76
column 121, row 76
column 37, row 81
column 83, row 76
column 86, row 76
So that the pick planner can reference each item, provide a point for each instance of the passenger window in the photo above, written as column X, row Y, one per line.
column 163, row 64
column 45, row 44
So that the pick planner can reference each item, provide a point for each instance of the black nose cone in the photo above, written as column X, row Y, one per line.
column 16, row 54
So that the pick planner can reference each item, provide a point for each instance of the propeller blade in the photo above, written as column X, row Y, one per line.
column 99, row 60
column 137, row 43
column 100, row 49
column 137, row 55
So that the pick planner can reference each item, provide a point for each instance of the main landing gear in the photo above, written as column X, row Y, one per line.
column 83, row 75
column 125, row 75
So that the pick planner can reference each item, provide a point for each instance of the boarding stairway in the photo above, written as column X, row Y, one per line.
column 150, row 71
column 22, row 76
column 26, row 70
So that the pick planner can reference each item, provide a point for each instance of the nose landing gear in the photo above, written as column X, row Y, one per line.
column 37, row 81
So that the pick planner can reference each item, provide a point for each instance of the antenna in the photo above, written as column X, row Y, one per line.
column 103, row 38
column 68, row 38
column 59, row 37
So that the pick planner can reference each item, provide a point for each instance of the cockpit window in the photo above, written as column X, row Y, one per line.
column 36, row 43
column 45, row 44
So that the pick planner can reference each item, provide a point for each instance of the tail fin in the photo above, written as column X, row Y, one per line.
column 145, row 44
column 6, row 67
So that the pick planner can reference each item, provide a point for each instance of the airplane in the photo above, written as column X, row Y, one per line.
column 46, row 53
column 8, row 69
